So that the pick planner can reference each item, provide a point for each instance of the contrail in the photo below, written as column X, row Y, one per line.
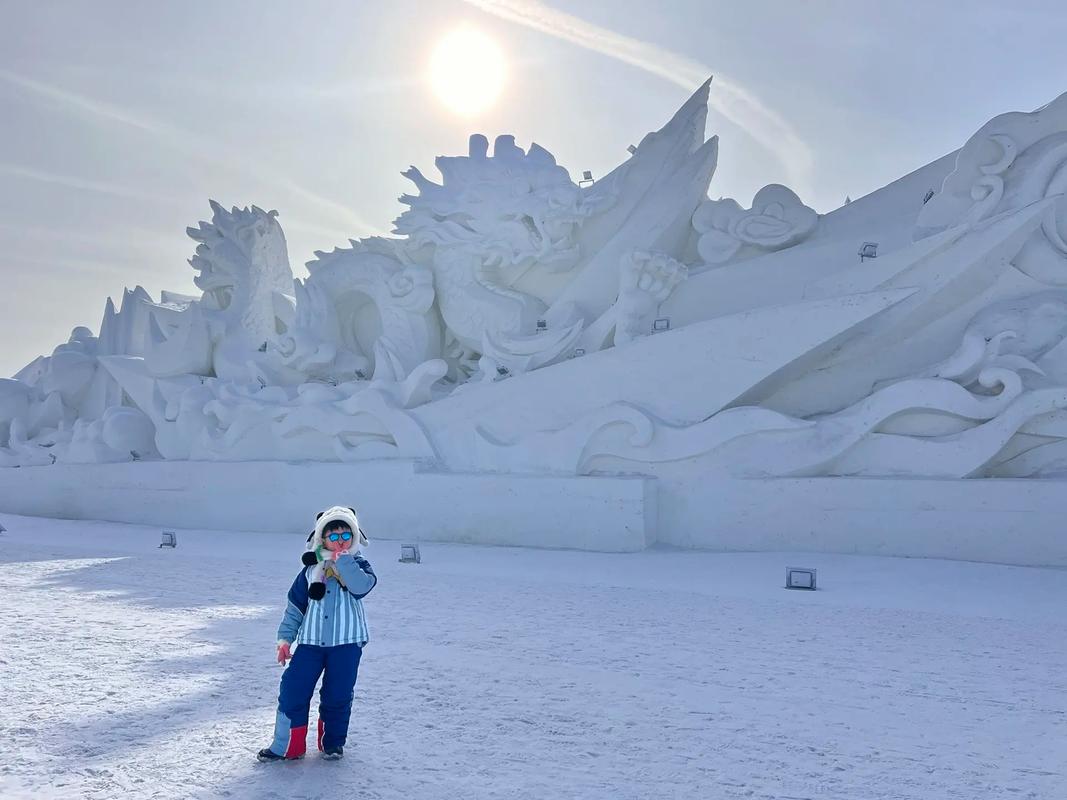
column 209, row 152
column 730, row 99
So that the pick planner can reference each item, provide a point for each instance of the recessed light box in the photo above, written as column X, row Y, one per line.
column 170, row 539
column 409, row 554
column 661, row 324
column 800, row 578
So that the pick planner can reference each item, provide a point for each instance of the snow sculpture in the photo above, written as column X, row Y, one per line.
column 776, row 220
column 244, row 272
column 65, row 406
column 1012, row 161
column 364, row 312
column 647, row 280
column 458, row 341
column 490, row 221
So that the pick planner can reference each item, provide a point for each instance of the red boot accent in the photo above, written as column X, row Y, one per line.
column 297, row 742
column 321, row 729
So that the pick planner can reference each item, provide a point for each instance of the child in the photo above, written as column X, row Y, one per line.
column 329, row 626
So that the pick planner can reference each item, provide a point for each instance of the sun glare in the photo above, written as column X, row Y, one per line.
column 467, row 71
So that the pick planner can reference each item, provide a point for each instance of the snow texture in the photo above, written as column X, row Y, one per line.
column 132, row 671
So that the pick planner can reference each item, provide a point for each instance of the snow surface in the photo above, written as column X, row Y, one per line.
column 126, row 670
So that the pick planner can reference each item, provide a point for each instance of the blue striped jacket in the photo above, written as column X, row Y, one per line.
column 338, row 617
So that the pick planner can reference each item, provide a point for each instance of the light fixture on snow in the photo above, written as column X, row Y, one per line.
column 927, row 196
column 868, row 250
column 587, row 179
column 578, row 351
column 170, row 539
column 409, row 554
column 661, row 324
column 2, row 528
column 542, row 325
column 800, row 578
column 631, row 149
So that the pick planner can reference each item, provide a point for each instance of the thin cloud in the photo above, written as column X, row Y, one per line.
column 730, row 99
column 71, row 182
column 83, row 265
column 123, row 242
column 185, row 142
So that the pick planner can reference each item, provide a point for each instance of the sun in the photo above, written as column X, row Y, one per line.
column 467, row 71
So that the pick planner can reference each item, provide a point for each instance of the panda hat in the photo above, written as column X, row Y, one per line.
column 336, row 514
column 313, row 555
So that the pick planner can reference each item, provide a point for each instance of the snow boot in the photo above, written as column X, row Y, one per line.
column 333, row 753
column 266, row 755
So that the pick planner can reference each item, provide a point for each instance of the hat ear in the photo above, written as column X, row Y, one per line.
column 319, row 515
column 352, row 509
column 311, row 536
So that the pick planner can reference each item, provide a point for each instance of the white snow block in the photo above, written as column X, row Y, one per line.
column 395, row 499
column 1000, row 521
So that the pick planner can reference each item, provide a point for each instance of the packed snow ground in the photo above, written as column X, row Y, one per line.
column 130, row 671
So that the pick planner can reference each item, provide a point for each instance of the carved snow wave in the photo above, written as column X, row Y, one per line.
column 756, row 442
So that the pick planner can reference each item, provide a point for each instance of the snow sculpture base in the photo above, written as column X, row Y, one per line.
column 998, row 521
column 397, row 500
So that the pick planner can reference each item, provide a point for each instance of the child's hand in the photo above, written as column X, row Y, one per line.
column 284, row 653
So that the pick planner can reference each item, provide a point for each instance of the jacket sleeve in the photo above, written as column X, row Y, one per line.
column 294, row 609
column 357, row 574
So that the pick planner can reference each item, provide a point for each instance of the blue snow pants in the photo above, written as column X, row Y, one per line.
column 340, row 663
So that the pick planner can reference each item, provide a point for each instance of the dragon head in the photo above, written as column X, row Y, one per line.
column 513, row 208
column 240, row 252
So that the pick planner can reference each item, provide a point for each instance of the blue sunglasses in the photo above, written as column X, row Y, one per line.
column 333, row 537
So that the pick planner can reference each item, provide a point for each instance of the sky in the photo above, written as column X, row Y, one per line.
column 119, row 120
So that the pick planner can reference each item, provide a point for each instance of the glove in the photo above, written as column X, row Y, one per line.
column 284, row 653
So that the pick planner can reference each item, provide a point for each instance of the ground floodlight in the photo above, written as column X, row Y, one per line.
column 631, row 149
column 587, row 179
column 800, row 578
column 661, row 324
column 170, row 539
column 409, row 554
column 542, row 325
column 868, row 250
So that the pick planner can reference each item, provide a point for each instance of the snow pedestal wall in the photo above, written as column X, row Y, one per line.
column 998, row 521
column 396, row 500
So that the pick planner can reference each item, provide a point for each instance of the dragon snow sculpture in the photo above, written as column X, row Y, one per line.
column 946, row 356
column 242, row 266
column 490, row 221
